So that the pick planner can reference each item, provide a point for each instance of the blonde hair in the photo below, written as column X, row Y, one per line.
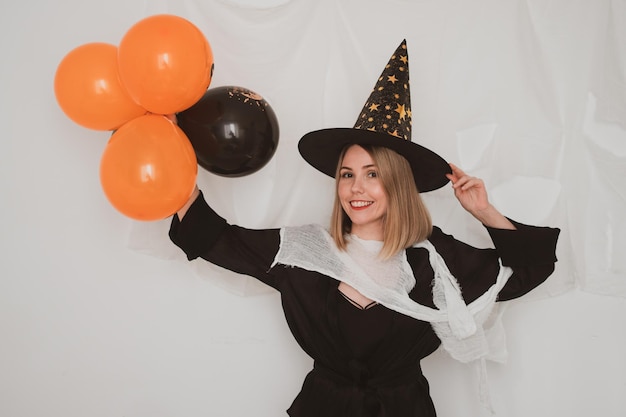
column 407, row 220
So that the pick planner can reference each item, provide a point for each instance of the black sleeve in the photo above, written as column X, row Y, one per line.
column 199, row 230
column 529, row 251
column 204, row 234
column 525, row 246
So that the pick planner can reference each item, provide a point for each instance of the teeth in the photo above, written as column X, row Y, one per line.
column 360, row 203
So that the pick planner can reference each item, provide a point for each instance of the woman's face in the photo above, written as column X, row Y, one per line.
column 361, row 194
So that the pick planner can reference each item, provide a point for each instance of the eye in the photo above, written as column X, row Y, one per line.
column 372, row 174
column 346, row 174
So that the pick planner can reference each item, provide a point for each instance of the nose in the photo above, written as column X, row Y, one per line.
column 357, row 185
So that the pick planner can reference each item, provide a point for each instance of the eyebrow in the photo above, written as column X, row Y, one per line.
column 364, row 166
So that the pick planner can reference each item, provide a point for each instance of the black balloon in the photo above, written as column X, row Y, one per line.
column 233, row 131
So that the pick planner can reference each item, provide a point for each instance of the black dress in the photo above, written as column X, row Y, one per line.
column 356, row 375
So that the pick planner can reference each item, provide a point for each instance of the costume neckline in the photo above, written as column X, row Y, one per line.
column 369, row 244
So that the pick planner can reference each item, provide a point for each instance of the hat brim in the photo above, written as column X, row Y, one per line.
column 322, row 148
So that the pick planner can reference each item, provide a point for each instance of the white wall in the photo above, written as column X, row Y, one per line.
column 91, row 326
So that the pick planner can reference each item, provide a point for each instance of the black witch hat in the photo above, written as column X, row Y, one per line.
column 384, row 121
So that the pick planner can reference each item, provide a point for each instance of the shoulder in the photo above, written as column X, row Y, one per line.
column 438, row 235
column 445, row 245
column 442, row 241
column 304, row 233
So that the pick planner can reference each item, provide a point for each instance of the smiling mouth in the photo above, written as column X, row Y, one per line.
column 360, row 204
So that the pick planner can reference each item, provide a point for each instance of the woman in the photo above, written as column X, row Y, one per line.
column 382, row 288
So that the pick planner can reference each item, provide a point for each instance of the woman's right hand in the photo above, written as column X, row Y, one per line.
column 183, row 210
column 194, row 194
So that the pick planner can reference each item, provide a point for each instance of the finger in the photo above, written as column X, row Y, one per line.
column 460, row 177
column 453, row 176
column 471, row 182
column 458, row 172
column 461, row 181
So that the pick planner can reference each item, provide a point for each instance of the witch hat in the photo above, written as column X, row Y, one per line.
column 385, row 120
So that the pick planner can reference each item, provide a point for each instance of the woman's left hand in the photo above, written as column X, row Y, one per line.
column 472, row 194
column 470, row 191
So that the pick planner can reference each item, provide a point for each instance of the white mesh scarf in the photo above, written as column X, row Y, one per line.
column 460, row 327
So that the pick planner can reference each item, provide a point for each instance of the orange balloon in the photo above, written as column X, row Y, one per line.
column 148, row 169
column 166, row 63
column 88, row 89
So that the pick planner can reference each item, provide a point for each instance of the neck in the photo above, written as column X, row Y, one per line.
column 367, row 233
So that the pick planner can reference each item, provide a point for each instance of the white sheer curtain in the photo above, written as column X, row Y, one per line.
column 530, row 95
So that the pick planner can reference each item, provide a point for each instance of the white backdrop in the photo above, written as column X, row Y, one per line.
column 101, row 316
